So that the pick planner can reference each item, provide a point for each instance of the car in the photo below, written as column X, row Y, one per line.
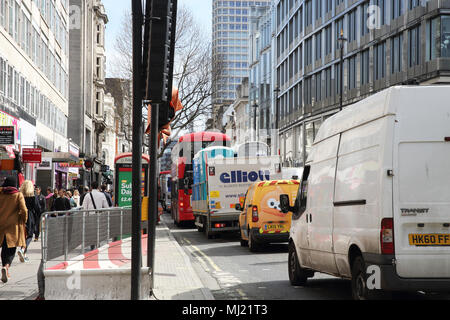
column 374, row 201
column 261, row 220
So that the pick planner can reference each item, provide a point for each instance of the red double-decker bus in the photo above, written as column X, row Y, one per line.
column 182, row 171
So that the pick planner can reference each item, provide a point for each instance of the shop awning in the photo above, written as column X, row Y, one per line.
column 60, row 156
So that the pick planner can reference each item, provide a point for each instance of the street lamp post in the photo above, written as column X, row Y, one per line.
column 255, row 106
column 341, row 41
column 277, row 117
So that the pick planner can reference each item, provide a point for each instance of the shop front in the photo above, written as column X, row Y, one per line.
column 10, row 138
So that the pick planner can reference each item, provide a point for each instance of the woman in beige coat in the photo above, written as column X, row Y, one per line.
column 13, row 216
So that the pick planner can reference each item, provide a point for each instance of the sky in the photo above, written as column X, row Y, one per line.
column 202, row 10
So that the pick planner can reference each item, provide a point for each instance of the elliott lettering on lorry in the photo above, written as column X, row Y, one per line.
column 244, row 176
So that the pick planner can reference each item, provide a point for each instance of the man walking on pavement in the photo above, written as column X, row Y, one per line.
column 95, row 199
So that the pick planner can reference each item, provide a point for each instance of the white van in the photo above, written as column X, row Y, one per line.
column 374, row 203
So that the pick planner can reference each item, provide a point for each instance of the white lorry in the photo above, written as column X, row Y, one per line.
column 221, row 184
column 374, row 201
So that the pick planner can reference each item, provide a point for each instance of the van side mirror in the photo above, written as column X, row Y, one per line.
column 238, row 207
column 285, row 204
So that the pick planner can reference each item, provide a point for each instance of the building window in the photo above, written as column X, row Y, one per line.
column 396, row 53
column 318, row 50
column 2, row 76
column 379, row 61
column 308, row 12
column 337, row 78
column 339, row 27
column 328, row 5
column 318, row 9
column 352, row 26
column 308, row 89
column 365, row 67
column 414, row 46
column 438, row 38
column 308, row 51
column 328, row 92
column 413, row 3
column 396, row 8
column 381, row 4
column 352, row 72
column 365, row 18
column 318, row 86
column 328, row 40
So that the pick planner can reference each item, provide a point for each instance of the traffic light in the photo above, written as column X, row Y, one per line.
column 160, row 39
column 88, row 164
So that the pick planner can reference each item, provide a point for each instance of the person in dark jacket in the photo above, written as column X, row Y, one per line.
column 42, row 205
column 107, row 195
column 85, row 192
column 61, row 203
column 50, row 198
column 34, row 210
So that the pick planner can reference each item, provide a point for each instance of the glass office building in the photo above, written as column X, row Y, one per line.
column 387, row 42
column 229, row 50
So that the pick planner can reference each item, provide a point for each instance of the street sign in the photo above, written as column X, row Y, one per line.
column 32, row 155
column 46, row 164
column 7, row 135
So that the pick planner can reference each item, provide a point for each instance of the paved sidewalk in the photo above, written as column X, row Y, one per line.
column 175, row 277
column 23, row 282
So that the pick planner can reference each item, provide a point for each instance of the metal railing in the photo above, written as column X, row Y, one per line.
column 69, row 234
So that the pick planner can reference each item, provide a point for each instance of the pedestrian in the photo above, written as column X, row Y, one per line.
column 75, row 200
column 85, row 192
column 61, row 203
column 95, row 199
column 108, row 196
column 32, row 203
column 13, row 216
column 50, row 199
column 42, row 207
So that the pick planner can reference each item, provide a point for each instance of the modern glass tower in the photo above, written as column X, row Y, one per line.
column 385, row 43
column 229, row 50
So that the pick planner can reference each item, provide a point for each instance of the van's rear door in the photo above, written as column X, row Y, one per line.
column 422, row 190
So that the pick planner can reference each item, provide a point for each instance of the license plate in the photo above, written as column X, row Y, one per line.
column 274, row 228
column 422, row 240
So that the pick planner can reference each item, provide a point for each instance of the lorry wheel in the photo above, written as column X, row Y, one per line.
column 201, row 229
column 359, row 280
column 297, row 275
column 208, row 233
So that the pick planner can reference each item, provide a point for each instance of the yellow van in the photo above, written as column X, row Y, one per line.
column 261, row 220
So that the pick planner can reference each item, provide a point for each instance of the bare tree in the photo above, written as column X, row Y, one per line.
column 192, row 69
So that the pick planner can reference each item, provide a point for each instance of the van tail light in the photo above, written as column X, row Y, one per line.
column 255, row 216
column 387, row 236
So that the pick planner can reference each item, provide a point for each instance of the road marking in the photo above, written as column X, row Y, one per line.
column 213, row 265
column 225, row 279
column 242, row 294
column 199, row 258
